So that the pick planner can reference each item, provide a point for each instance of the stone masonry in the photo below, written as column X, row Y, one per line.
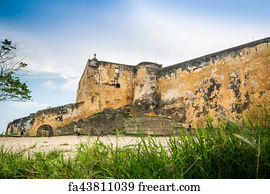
column 227, row 82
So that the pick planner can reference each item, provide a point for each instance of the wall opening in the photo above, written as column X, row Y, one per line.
column 43, row 130
column 117, row 85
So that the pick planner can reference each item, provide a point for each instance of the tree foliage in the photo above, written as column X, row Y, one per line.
column 11, row 87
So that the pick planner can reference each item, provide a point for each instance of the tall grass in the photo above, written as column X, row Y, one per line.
column 229, row 151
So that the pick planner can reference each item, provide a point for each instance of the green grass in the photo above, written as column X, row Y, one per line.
column 64, row 144
column 126, row 115
column 223, row 151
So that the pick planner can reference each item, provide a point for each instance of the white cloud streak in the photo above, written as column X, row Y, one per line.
column 49, row 84
column 148, row 33
column 28, row 105
column 179, row 36
column 70, row 84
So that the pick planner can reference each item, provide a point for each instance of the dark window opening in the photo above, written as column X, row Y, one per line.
column 117, row 85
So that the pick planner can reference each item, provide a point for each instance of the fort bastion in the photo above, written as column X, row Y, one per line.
column 153, row 99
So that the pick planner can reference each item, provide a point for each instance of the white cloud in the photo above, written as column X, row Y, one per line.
column 49, row 84
column 181, row 36
column 63, row 58
column 28, row 105
column 70, row 85
column 149, row 33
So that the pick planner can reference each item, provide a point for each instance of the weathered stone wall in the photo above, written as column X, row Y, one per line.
column 53, row 117
column 227, row 82
column 105, row 85
column 113, row 121
column 146, row 95
column 21, row 126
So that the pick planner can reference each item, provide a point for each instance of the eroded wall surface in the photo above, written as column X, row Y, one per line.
column 104, row 85
column 120, row 121
column 228, row 82
column 39, row 122
column 21, row 126
column 146, row 95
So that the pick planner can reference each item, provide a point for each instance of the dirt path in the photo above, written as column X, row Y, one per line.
column 68, row 144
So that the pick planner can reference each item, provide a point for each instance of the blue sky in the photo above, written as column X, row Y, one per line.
column 56, row 37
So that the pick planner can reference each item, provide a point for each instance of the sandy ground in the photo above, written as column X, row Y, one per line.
column 68, row 144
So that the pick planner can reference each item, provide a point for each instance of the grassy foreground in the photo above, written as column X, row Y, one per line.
column 229, row 151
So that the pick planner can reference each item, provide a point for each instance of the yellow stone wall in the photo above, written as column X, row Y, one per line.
column 55, row 117
column 146, row 96
column 227, row 85
column 227, row 82
column 105, row 85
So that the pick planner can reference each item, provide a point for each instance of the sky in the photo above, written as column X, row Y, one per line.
column 57, row 37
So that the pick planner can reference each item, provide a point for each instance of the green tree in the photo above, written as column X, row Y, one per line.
column 11, row 87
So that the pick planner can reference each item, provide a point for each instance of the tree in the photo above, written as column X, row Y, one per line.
column 11, row 88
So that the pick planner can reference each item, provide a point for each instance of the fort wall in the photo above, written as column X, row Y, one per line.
column 227, row 82
column 104, row 85
column 38, row 123
column 146, row 96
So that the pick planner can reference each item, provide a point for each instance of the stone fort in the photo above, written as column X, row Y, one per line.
column 148, row 98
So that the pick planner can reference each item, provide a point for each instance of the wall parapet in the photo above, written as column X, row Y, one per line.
column 60, row 109
column 149, row 64
column 205, row 60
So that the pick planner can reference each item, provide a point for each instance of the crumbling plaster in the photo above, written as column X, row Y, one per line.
column 227, row 82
